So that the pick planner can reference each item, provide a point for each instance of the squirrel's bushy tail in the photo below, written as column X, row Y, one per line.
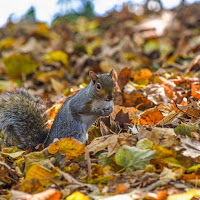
column 21, row 119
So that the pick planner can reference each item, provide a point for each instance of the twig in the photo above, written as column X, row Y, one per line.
column 194, row 62
column 186, row 112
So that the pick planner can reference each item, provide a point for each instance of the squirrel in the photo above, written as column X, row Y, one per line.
column 23, row 124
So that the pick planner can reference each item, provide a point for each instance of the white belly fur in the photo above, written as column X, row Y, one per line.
column 87, row 121
column 102, row 104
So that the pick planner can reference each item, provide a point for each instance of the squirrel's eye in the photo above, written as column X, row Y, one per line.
column 98, row 86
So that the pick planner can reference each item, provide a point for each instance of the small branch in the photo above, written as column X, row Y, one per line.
column 194, row 62
column 186, row 112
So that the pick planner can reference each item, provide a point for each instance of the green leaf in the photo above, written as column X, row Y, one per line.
column 13, row 155
column 150, row 46
column 103, row 160
column 144, row 144
column 18, row 64
column 33, row 158
column 185, row 129
column 133, row 158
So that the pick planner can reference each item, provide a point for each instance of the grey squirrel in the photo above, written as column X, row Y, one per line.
column 23, row 124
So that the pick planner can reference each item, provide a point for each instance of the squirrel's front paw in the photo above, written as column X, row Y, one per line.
column 107, row 111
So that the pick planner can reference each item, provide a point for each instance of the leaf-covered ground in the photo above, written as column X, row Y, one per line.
column 149, row 148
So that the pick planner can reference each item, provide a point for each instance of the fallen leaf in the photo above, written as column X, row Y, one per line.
column 41, row 171
column 100, row 143
column 124, row 76
column 185, row 129
column 71, row 147
column 32, row 158
column 190, row 147
column 6, row 43
column 144, row 144
column 121, row 188
column 133, row 158
column 185, row 196
column 50, row 194
column 151, row 116
column 137, row 100
column 143, row 76
column 122, row 118
column 57, row 56
column 77, row 196
column 132, row 112
column 17, row 65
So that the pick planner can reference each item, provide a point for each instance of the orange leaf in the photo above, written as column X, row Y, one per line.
column 169, row 92
column 53, row 148
column 71, row 147
column 161, row 195
column 195, row 91
column 191, row 176
column 143, row 76
column 137, row 100
column 50, row 194
column 121, row 188
column 151, row 116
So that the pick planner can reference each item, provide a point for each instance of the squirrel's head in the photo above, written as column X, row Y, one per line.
column 104, row 86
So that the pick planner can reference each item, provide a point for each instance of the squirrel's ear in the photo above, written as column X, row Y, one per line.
column 111, row 73
column 93, row 76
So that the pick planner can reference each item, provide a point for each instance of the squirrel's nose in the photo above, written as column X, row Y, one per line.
column 109, row 98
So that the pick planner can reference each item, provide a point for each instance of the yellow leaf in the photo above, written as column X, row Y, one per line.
column 46, row 76
column 14, row 155
column 41, row 171
column 77, row 196
column 6, row 43
column 57, row 56
column 90, row 47
column 31, row 186
column 19, row 64
column 185, row 196
column 42, row 29
column 71, row 147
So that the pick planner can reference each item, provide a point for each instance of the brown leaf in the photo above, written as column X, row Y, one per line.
column 112, row 125
column 137, row 100
column 100, row 143
column 122, row 118
column 124, row 76
column 132, row 112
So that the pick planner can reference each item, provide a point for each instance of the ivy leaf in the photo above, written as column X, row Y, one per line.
column 133, row 158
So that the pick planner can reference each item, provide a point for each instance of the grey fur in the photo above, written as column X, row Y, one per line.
column 75, row 118
column 23, row 125
column 21, row 119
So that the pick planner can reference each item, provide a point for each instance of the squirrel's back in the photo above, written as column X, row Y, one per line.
column 21, row 119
